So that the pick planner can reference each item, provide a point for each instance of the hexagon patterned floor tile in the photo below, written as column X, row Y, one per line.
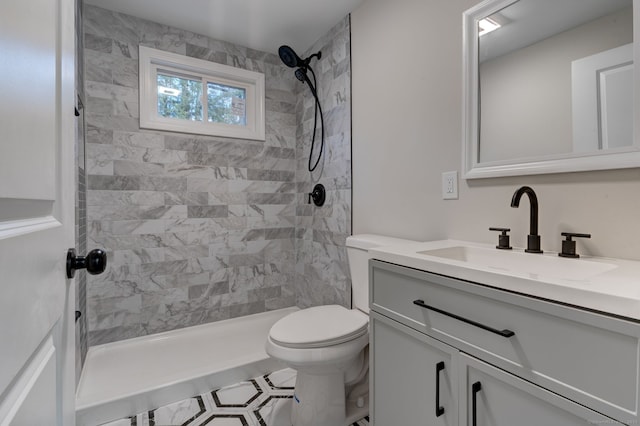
column 243, row 404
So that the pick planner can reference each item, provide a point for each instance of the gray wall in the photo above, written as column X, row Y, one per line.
column 197, row 229
column 403, row 139
column 322, row 272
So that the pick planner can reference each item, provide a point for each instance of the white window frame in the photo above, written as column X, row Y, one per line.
column 151, row 60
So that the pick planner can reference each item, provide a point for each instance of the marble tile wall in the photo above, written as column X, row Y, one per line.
column 201, row 229
column 81, row 276
column 197, row 228
column 322, row 272
column 81, row 200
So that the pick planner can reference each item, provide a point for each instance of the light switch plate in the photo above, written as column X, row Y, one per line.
column 450, row 185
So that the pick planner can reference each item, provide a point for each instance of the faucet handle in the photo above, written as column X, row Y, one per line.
column 569, row 246
column 503, row 238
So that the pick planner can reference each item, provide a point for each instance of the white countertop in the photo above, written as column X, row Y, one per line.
column 615, row 290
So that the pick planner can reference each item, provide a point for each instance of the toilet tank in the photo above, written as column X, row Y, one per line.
column 358, row 255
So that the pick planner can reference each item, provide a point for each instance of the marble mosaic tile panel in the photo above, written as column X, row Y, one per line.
column 81, row 332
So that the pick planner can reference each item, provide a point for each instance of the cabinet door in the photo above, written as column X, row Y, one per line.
column 492, row 397
column 414, row 377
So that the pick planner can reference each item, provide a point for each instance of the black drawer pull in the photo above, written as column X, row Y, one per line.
column 475, row 388
column 439, row 409
column 503, row 333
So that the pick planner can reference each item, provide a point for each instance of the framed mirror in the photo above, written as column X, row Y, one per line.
column 550, row 86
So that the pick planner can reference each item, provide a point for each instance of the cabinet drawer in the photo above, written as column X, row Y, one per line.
column 587, row 357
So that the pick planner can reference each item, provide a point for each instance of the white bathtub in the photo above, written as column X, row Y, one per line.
column 132, row 376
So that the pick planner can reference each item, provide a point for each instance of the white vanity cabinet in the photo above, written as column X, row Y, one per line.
column 537, row 362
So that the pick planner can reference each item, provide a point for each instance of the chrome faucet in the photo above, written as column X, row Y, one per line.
column 533, row 239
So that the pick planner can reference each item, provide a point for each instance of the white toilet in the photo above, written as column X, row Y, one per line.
column 328, row 346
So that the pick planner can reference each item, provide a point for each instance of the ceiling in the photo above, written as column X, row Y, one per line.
column 530, row 21
column 259, row 24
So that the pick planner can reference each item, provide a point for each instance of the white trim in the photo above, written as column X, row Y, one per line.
column 16, row 228
column 20, row 392
column 472, row 169
column 252, row 82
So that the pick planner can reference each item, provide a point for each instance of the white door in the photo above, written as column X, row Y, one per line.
column 602, row 100
column 36, row 212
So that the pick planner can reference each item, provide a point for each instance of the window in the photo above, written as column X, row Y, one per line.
column 189, row 95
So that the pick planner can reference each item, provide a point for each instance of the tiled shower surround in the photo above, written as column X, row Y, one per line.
column 198, row 228
column 322, row 271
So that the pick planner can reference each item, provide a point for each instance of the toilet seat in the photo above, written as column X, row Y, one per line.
column 318, row 327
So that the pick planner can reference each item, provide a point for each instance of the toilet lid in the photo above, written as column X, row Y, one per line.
column 319, row 326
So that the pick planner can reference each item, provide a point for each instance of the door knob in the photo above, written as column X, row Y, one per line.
column 95, row 262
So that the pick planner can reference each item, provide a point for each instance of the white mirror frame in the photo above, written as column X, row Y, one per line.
column 472, row 169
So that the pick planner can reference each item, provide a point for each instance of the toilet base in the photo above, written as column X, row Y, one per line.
column 281, row 414
column 319, row 400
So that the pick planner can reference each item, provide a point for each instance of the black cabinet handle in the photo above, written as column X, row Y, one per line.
column 503, row 333
column 439, row 409
column 475, row 388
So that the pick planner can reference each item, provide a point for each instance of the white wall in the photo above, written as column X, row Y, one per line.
column 407, row 122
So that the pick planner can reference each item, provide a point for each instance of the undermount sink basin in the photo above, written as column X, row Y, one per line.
column 519, row 263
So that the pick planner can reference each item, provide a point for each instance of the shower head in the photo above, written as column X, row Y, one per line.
column 290, row 57
column 301, row 75
column 292, row 60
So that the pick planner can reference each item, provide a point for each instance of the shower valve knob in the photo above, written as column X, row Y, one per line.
column 318, row 195
column 95, row 262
